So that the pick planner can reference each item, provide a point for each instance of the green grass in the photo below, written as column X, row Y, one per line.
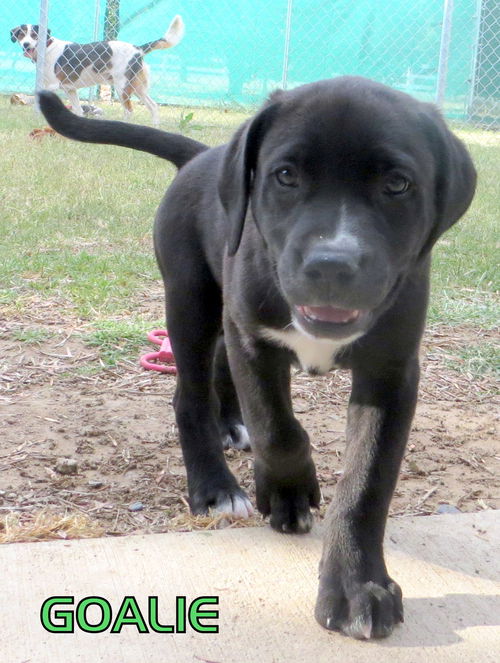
column 465, row 260
column 117, row 340
column 477, row 360
column 31, row 336
column 77, row 219
column 76, row 227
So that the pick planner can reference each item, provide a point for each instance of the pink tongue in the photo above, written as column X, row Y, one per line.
column 329, row 313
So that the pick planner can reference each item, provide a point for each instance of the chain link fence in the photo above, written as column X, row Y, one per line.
column 235, row 52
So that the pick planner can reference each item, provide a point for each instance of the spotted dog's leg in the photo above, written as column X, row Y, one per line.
column 74, row 100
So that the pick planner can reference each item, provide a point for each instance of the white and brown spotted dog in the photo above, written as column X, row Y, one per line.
column 70, row 66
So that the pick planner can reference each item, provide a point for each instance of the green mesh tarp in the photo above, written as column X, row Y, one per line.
column 237, row 51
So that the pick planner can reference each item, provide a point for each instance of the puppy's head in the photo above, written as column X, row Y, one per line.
column 27, row 35
column 350, row 183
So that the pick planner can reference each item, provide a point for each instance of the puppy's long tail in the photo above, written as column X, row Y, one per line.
column 172, row 37
column 172, row 147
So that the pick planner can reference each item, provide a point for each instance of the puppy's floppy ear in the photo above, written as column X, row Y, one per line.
column 13, row 34
column 238, row 167
column 455, row 175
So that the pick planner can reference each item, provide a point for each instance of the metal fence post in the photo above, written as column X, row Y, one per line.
column 476, row 46
column 444, row 52
column 42, row 46
column 93, row 91
column 286, row 51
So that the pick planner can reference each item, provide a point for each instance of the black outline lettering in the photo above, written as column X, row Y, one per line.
column 82, row 606
column 180, row 618
column 153, row 617
column 194, row 620
column 129, row 613
column 122, row 619
column 45, row 616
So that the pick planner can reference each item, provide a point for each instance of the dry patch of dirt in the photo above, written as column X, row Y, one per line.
column 126, row 473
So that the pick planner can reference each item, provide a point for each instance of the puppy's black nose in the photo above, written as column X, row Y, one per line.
column 331, row 265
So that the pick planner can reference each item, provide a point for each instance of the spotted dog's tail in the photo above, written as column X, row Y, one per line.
column 172, row 37
column 173, row 147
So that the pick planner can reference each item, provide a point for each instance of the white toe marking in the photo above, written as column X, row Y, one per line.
column 237, row 506
column 360, row 627
column 243, row 441
column 242, row 507
column 304, row 523
column 227, row 442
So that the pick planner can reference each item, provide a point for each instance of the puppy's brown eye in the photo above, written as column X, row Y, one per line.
column 396, row 185
column 287, row 176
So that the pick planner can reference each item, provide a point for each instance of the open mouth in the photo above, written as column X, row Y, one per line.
column 330, row 321
column 29, row 53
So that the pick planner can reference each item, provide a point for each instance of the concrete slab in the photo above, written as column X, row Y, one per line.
column 448, row 566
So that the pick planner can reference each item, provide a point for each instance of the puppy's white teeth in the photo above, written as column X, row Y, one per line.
column 329, row 314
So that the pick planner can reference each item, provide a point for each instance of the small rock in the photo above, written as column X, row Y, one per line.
column 447, row 508
column 415, row 468
column 67, row 466
column 136, row 506
column 95, row 484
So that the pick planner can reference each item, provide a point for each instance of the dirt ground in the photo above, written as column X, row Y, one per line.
column 118, row 425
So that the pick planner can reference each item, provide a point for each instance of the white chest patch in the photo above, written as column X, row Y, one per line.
column 315, row 355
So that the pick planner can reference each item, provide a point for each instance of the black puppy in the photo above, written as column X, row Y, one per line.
column 306, row 239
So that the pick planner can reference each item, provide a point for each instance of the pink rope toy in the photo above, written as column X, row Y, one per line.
column 164, row 355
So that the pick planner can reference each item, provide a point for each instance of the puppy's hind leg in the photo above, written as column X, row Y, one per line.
column 234, row 433
column 193, row 318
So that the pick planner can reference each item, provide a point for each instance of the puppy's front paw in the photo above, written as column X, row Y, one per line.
column 236, row 437
column 288, row 499
column 231, row 501
column 237, row 505
column 360, row 610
